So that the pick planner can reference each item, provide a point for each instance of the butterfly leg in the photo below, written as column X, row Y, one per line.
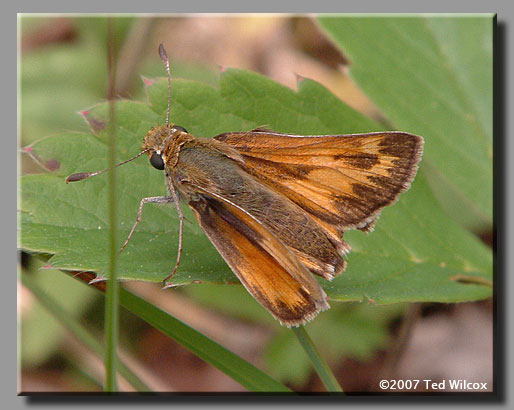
column 153, row 199
column 180, row 230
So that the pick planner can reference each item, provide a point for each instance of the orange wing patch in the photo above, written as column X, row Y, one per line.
column 343, row 181
column 263, row 264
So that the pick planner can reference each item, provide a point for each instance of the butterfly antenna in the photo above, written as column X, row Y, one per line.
column 166, row 62
column 79, row 176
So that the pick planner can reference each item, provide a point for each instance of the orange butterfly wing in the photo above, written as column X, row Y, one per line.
column 342, row 181
column 263, row 264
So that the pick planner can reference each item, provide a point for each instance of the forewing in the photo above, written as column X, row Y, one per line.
column 343, row 181
column 266, row 267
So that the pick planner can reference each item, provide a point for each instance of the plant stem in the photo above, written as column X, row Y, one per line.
column 111, row 302
column 321, row 367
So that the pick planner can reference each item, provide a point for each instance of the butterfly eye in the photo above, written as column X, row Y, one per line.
column 157, row 161
column 179, row 128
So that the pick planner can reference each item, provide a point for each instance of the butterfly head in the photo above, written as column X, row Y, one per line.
column 159, row 143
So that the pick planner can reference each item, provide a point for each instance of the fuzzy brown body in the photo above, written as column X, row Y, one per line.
column 276, row 205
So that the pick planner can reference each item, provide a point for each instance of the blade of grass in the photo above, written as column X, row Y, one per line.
column 77, row 330
column 112, row 296
column 321, row 367
column 229, row 363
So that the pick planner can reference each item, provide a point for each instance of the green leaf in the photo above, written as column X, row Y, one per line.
column 414, row 254
column 55, row 83
column 432, row 76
